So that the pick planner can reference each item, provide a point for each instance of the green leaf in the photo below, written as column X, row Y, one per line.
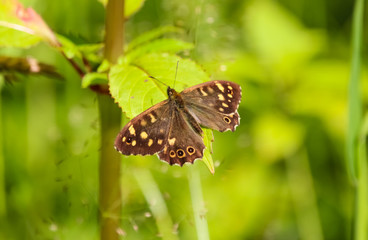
column 151, row 35
column 132, row 6
column 94, row 79
column 134, row 90
column 104, row 66
column 92, row 52
column 160, row 45
column 14, row 15
column 207, row 155
column 14, row 38
column 68, row 47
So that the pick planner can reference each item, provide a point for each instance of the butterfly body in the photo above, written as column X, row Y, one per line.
column 172, row 128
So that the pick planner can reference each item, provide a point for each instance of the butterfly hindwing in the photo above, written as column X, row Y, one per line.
column 146, row 133
column 184, row 142
column 214, row 104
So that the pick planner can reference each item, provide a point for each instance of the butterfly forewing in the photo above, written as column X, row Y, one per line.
column 214, row 104
column 146, row 133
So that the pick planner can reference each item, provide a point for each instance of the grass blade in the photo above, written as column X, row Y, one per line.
column 354, row 101
column 156, row 203
column 198, row 205
column 361, row 215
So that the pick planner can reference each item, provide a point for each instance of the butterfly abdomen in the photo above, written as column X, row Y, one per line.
column 192, row 121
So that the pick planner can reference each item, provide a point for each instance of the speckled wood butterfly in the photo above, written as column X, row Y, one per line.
column 172, row 129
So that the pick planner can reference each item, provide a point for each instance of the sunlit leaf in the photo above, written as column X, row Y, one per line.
column 69, row 48
column 207, row 155
column 134, row 90
column 15, row 16
column 14, row 38
column 94, row 79
column 104, row 66
column 92, row 52
column 132, row 6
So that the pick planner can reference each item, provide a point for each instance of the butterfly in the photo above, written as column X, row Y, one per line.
column 172, row 128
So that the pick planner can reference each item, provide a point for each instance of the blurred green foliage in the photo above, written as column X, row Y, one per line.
column 281, row 175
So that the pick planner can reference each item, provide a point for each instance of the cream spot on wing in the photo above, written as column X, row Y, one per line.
column 203, row 92
column 229, row 100
column 221, row 97
column 161, row 130
column 230, row 87
column 123, row 140
column 172, row 141
column 230, row 96
column 153, row 119
column 159, row 141
column 165, row 149
column 150, row 142
column 143, row 123
column 211, row 104
column 134, row 143
column 221, row 109
column 220, row 87
column 132, row 130
column 225, row 105
column 210, row 90
column 144, row 135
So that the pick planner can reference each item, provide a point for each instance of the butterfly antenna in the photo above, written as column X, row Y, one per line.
column 159, row 81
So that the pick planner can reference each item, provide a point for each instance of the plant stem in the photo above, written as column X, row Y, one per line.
column 303, row 196
column 110, row 118
column 110, row 164
column 361, row 211
column 2, row 170
column 157, row 204
column 355, row 147
column 199, row 209
column 354, row 98
column 114, row 39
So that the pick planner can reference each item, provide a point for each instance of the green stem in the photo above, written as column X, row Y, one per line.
column 356, row 148
column 354, row 101
column 110, row 164
column 361, row 214
column 303, row 196
column 110, row 118
column 2, row 171
column 156, row 203
column 199, row 209
column 114, row 39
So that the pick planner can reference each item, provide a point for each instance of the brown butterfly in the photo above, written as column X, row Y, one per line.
column 172, row 128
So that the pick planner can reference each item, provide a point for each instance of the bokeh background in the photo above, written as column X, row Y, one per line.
column 281, row 175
